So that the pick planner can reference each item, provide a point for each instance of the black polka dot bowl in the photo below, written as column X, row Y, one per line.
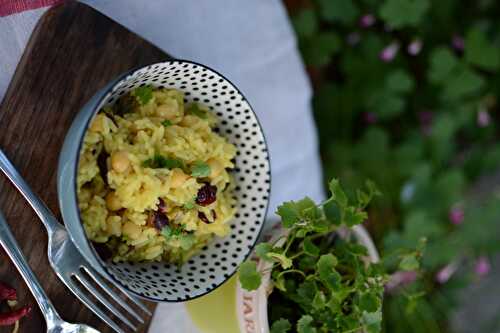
column 219, row 260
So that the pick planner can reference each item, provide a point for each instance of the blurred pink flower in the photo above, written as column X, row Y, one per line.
column 425, row 118
column 456, row 215
column 483, row 118
column 353, row 38
column 370, row 117
column 482, row 267
column 458, row 43
column 400, row 279
column 415, row 47
column 445, row 273
column 367, row 20
column 389, row 52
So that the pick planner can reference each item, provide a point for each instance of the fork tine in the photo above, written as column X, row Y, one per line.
column 129, row 296
column 98, row 295
column 90, row 304
column 114, row 296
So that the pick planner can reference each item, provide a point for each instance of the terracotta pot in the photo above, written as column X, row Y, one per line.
column 251, row 306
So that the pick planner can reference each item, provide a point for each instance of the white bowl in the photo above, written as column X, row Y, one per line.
column 163, row 282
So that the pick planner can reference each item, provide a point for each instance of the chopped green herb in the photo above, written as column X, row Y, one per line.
column 160, row 162
column 166, row 123
column 200, row 169
column 166, row 231
column 144, row 94
column 190, row 204
column 187, row 241
column 195, row 110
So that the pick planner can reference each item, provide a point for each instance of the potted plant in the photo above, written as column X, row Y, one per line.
column 320, row 271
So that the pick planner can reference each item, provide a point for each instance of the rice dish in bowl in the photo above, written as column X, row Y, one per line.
column 153, row 181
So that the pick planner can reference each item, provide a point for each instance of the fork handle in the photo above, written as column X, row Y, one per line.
column 10, row 246
column 49, row 220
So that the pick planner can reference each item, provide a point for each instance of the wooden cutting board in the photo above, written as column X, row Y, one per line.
column 73, row 52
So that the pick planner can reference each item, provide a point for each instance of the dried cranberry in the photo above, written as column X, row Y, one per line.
column 102, row 250
column 160, row 220
column 162, row 206
column 102, row 164
column 206, row 195
column 203, row 217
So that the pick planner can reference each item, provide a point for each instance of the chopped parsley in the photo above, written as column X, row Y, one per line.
column 200, row 169
column 144, row 94
column 161, row 162
column 195, row 110
column 166, row 123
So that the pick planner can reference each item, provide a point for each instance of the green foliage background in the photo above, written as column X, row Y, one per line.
column 423, row 126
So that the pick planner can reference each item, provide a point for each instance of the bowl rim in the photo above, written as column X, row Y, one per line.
column 94, row 104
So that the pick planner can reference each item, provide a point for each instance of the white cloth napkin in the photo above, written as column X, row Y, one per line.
column 251, row 43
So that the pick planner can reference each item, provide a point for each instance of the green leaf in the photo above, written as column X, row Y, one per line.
column 442, row 63
column 373, row 322
column 166, row 123
column 352, row 216
column 327, row 273
column 250, row 278
column 462, row 82
column 289, row 214
column 262, row 250
column 332, row 213
column 292, row 212
column 305, row 325
column 403, row 13
column 281, row 259
column 310, row 248
column 399, row 81
column 307, row 291
column 386, row 104
column 369, row 302
column 409, row 263
column 195, row 110
column 200, row 169
column 480, row 52
column 319, row 301
column 144, row 94
column 343, row 11
column 319, row 49
column 338, row 193
column 305, row 23
column 281, row 326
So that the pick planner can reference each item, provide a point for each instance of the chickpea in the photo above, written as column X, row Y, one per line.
column 112, row 202
column 216, row 167
column 114, row 225
column 131, row 230
column 120, row 161
column 178, row 178
column 168, row 111
column 97, row 124
column 189, row 121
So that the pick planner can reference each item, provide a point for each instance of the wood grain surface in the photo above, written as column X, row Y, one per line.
column 73, row 52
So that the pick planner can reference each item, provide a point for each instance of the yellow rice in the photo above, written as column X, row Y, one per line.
column 119, row 213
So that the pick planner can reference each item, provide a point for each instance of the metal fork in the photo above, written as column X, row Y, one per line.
column 69, row 264
column 54, row 322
